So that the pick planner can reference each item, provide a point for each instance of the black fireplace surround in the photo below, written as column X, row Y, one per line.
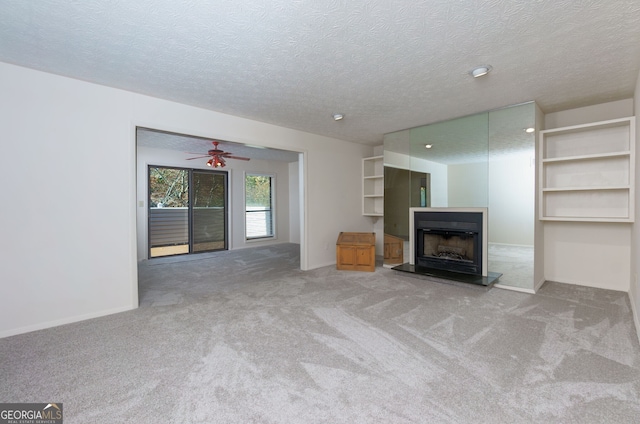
column 449, row 241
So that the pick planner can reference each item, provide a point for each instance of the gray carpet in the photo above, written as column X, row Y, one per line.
column 245, row 337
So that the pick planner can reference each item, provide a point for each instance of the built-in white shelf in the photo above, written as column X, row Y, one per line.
column 373, row 186
column 587, row 172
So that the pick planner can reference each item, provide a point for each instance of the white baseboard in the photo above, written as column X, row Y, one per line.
column 63, row 321
column 535, row 289
column 539, row 284
column 510, row 245
column 518, row 289
column 586, row 284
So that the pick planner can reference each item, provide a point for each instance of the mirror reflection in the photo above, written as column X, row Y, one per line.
column 483, row 160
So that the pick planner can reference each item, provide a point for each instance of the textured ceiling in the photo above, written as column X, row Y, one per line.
column 387, row 64
column 191, row 146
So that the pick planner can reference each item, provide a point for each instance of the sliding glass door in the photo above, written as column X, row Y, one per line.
column 187, row 211
column 209, row 214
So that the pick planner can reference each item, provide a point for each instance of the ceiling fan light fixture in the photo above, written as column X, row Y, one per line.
column 216, row 162
column 217, row 156
column 480, row 71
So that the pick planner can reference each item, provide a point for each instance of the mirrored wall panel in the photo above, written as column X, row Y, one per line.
column 482, row 160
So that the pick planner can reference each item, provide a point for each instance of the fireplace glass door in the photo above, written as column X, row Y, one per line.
column 449, row 250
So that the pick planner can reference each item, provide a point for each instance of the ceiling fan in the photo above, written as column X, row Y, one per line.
column 218, row 156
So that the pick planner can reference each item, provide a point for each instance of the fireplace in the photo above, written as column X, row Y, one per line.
column 450, row 239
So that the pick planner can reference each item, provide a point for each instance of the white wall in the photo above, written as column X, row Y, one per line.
column 69, row 152
column 600, row 112
column 378, row 222
column 69, row 233
column 588, row 254
column 585, row 253
column 295, row 201
column 538, row 246
column 634, row 284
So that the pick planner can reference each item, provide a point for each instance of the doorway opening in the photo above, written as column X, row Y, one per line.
column 155, row 147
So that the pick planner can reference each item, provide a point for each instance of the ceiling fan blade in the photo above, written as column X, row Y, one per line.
column 198, row 157
column 236, row 157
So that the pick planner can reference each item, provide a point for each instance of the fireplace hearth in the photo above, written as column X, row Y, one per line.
column 449, row 244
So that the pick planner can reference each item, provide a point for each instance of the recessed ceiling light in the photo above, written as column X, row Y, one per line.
column 480, row 71
column 428, row 146
column 338, row 116
column 529, row 130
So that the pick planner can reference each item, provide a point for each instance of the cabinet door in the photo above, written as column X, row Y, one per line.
column 363, row 256
column 347, row 256
column 356, row 258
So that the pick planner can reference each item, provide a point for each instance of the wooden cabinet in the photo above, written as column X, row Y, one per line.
column 587, row 172
column 356, row 252
column 373, row 186
column 393, row 249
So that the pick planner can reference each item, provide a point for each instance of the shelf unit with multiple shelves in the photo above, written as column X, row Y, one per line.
column 373, row 186
column 587, row 172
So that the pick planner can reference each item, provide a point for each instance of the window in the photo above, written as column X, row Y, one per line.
column 259, row 195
